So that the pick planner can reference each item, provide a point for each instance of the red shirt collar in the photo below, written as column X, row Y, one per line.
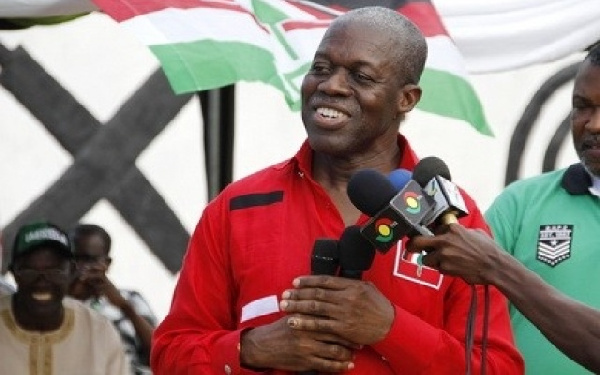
column 303, row 157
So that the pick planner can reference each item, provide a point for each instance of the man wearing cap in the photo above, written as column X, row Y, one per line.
column 41, row 330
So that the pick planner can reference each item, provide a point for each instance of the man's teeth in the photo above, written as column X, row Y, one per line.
column 42, row 296
column 328, row 112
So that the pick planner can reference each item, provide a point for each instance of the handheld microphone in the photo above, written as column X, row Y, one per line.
column 325, row 257
column 393, row 214
column 356, row 253
column 434, row 176
column 399, row 178
column 324, row 260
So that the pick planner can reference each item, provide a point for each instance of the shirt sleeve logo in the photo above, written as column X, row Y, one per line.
column 408, row 266
column 554, row 243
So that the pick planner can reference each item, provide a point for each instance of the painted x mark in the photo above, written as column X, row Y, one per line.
column 104, row 155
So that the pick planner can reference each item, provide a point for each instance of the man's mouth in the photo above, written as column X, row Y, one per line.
column 330, row 113
column 42, row 296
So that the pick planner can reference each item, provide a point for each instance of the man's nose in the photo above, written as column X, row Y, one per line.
column 336, row 84
column 594, row 122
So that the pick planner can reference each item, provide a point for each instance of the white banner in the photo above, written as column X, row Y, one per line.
column 492, row 35
column 502, row 35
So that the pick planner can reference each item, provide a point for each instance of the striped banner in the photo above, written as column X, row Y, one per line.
column 206, row 44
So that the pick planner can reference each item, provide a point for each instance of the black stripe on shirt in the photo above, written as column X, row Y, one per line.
column 253, row 200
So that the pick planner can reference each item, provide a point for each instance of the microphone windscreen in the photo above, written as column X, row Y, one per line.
column 356, row 252
column 370, row 191
column 399, row 178
column 428, row 168
column 325, row 257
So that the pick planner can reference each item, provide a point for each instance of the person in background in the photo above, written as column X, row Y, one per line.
column 41, row 330
column 549, row 226
column 127, row 309
column 5, row 287
column 245, row 301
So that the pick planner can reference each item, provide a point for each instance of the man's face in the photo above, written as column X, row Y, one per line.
column 351, row 94
column 92, row 262
column 90, row 248
column 585, row 117
column 43, row 277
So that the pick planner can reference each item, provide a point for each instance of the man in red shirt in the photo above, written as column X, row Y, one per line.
column 242, row 304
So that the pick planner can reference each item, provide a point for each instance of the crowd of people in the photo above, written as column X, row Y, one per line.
column 511, row 291
column 66, row 316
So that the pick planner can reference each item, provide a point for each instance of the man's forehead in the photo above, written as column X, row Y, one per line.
column 91, row 242
column 588, row 79
column 361, row 45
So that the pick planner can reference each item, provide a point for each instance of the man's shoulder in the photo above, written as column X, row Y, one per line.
column 140, row 304
column 266, row 183
column 524, row 195
column 533, row 185
column 269, row 176
column 84, row 311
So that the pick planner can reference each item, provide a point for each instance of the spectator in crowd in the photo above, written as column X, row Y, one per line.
column 42, row 330
column 242, row 304
column 5, row 286
column 549, row 226
column 127, row 309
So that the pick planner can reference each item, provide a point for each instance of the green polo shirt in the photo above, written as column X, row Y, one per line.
column 551, row 223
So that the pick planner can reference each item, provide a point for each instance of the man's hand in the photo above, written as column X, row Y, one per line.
column 455, row 250
column 94, row 275
column 350, row 309
column 277, row 346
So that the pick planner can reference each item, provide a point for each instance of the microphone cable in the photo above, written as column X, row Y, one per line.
column 470, row 329
column 484, row 335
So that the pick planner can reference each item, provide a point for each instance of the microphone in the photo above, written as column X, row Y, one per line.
column 324, row 260
column 325, row 257
column 399, row 178
column 353, row 254
column 356, row 253
column 394, row 214
column 434, row 176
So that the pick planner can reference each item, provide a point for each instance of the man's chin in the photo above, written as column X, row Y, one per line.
column 593, row 169
column 82, row 291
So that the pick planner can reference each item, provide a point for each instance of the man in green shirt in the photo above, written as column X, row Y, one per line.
column 550, row 225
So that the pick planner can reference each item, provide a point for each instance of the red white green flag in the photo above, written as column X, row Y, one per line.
column 207, row 44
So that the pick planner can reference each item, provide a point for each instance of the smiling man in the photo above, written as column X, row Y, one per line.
column 41, row 331
column 245, row 300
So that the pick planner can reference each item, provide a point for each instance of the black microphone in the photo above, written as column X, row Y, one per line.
column 324, row 260
column 434, row 177
column 352, row 254
column 325, row 257
column 356, row 253
column 394, row 214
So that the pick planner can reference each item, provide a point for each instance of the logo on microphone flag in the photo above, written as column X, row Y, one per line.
column 409, row 267
column 384, row 230
column 412, row 202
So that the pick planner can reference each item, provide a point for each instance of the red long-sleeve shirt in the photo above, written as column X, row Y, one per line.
column 257, row 236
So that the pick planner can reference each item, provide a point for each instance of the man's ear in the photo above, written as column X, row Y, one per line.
column 410, row 95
